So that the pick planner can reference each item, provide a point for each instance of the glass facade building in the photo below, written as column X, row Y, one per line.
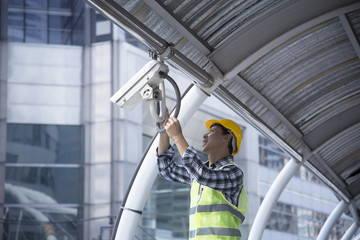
column 67, row 154
column 44, row 181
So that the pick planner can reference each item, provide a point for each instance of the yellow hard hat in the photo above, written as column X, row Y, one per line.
column 232, row 126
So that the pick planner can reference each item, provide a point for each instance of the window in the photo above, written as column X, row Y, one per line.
column 48, row 144
column 273, row 157
column 43, row 181
column 35, row 222
column 270, row 155
column 166, row 210
column 303, row 222
column 46, row 21
column 43, row 185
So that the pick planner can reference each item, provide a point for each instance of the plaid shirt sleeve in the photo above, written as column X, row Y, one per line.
column 169, row 170
column 227, row 180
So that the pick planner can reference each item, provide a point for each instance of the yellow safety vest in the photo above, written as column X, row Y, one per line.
column 212, row 216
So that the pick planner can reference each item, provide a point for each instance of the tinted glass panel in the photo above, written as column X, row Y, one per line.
column 43, row 185
column 17, row 3
column 36, row 20
column 60, row 3
column 16, row 19
column 50, row 144
column 36, row 3
column 78, row 34
column 77, row 37
column 36, row 28
column 60, row 22
column 16, row 34
column 270, row 155
column 303, row 222
column 45, row 21
column 60, row 37
column 15, row 27
column 35, row 36
column 32, row 223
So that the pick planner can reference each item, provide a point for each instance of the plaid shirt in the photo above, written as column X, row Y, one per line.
column 228, row 180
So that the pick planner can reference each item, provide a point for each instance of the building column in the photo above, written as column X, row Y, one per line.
column 3, row 105
column 86, row 119
column 271, row 198
column 331, row 220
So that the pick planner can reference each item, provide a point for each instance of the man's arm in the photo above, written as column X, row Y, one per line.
column 166, row 166
column 169, row 170
column 164, row 143
column 174, row 131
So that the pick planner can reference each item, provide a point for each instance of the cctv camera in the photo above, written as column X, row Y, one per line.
column 141, row 85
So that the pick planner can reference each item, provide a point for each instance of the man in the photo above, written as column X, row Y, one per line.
column 218, row 197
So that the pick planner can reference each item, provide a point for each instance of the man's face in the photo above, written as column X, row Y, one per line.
column 213, row 139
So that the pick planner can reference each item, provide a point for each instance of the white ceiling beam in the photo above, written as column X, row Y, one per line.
column 351, row 35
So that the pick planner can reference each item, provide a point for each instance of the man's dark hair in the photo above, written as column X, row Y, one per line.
column 225, row 131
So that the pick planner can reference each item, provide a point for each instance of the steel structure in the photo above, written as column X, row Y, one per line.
column 291, row 68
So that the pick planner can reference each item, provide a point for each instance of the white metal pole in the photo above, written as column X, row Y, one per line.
column 270, row 199
column 357, row 237
column 146, row 175
column 331, row 220
column 352, row 229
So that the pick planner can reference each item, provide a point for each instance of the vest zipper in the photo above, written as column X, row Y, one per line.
column 198, row 200
column 200, row 193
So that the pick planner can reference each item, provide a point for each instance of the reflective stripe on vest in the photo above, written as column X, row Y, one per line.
column 218, row 207
column 231, row 232
column 212, row 216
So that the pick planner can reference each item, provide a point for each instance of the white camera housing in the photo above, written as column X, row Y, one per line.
column 140, row 86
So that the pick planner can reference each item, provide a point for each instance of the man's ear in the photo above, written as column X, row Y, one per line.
column 228, row 137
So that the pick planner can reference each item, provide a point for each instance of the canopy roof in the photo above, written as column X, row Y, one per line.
column 292, row 66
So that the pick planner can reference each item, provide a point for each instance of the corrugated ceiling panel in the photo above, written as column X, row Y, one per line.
column 288, row 75
column 342, row 156
column 215, row 21
column 336, row 149
column 260, row 109
column 247, row 98
column 340, row 147
column 291, row 57
column 322, row 83
column 162, row 28
column 232, row 17
column 193, row 12
column 235, row 88
column 212, row 21
column 342, row 98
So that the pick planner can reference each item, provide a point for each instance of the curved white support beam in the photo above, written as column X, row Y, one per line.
column 331, row 220
column 271, row 198
column 352, row 229
column 357, row 237
column 147, row 172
